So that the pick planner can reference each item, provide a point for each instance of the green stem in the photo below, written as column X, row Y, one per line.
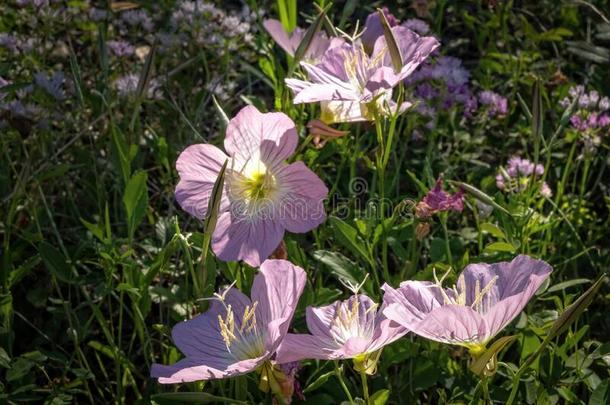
column 381, row 166
column 339, row 375
column 365, row 387
column 485, row 388
column 443, row 219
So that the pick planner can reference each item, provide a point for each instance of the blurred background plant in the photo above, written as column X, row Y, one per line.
column 98, row 98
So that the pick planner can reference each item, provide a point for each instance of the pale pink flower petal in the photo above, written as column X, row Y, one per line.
column 280, row 36
column 290, row 42
column 198, row 167
column 277, row 289
column 344, row 329
column 302, row 346
column 373, row 28
column 240, row 238
column 254, row 336
column 413, row 50
column 302, row 207
column 485, row 299
column 262, row 195
column 270, row 137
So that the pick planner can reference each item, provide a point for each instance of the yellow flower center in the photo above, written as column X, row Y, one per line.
column 253, row 184
column 243, row 340
column 259, row 185
column 458, row 295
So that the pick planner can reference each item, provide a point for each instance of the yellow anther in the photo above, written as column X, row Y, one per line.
column 227, row 327
column 480, row 295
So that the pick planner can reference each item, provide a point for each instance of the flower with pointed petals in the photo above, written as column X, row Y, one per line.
column 352, row 86
column 289, row 42
column 237, row 334
column 262, row 197
column 352, row 329
column 486, row 298
column 438, row 200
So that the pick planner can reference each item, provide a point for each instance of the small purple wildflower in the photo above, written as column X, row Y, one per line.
column 127, row 85
column 417, row 25
column 138, row 18
column 96, row 14
column 438, row 200
column 120, row 48
column 3, row 83
column 497, row 105
column 9, row 42
column 589, row 119
column 53, row 84
column 518, row 175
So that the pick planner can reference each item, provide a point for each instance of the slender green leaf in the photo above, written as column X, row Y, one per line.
column 479, row 195
column 320, row 381
column 135, row 200
column 487, row 362
column 499, row 247
column 573, row 311
column 209, row 223
column 601, row 395
column 568, row 284
column 340, row 266
column 347, row 235
column 146, row 72
column 537, row 116
column 393, row 48
column 308, row 38
column 494, row 230
column 55, row 262
column 192, row 398
column 221, row 113
column 380, row 397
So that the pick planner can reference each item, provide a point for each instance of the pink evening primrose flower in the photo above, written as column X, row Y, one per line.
column 289, row 42
column 350, row 85
column 486, row 298
column 237, row 334
column 263, row 196
column 350, row 329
